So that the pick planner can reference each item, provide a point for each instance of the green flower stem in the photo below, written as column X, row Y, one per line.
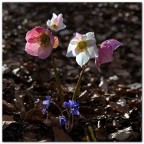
column 57, row 80
column 92, row 133
column 78, row 83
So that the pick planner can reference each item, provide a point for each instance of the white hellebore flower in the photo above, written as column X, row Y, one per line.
column 56, row 23
column 83, row 47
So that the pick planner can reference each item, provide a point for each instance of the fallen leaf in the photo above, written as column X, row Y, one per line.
column 7, row 118
column 61, row 136
column 121, row 102
column 121, row 134
column 83, row 96
column 118, row 107
column 34, row 115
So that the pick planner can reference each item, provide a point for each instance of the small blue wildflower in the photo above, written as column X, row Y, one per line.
column 62, row 120
column 47, row 102
column 73, row 103
column 44, row 111
column 75, row 111
column 66, row 104
column 70, row 104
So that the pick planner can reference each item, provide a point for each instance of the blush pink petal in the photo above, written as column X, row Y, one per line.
column 60, row 18
column 32, row 48
column 105, row 52
column 43, row 53
column 51, row 40
column 35, row 32
column 33, row 40
column 40, row 30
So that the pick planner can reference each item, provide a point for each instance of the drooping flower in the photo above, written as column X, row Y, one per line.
column 56, row 23
column 83, row 47
column 62, row 120
column 47, row 102
column 105, row 52
column 40, row 42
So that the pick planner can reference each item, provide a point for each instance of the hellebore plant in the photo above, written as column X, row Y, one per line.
column 41, row 42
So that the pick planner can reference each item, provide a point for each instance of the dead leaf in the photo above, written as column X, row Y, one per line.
column 100, row 134
column 121, row 134
column 34, row 115
column 121, row 102
column 37, row 132
column 83, row 96
column 6, row 123
column 8, row 105
column 84, row 109
column 61, row 136
column 7, row 118
column 118, row 107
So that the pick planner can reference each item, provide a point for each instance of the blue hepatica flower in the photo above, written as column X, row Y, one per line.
column 62, row 120
column 70, row 104
column 47, row 102
column 73, row 105
column 66, row 104
column 75, row 111
column 44, row 111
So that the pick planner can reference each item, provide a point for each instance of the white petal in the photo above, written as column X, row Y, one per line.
column 92, row 51
column 91, row 36
column 61, row 26
column 84, row 37
column 74, row 42
column 91, row 43
column 77, row 36
column 82, row 58
column 71, row 50
column 54, row 16
column 48, row 22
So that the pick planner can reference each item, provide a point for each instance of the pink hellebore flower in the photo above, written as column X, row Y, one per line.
column 40, row 42
column 105, row 52
column 56, row 23
column 83, row 47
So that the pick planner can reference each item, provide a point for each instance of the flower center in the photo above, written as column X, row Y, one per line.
column 44, row 40
column 82, row 46
column 54, row 26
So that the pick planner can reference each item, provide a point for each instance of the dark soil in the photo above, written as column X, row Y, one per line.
column 27, row 79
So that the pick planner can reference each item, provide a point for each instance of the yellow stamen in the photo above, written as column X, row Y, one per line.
column 82, row 46
column 54, row 26
column 44, row 40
